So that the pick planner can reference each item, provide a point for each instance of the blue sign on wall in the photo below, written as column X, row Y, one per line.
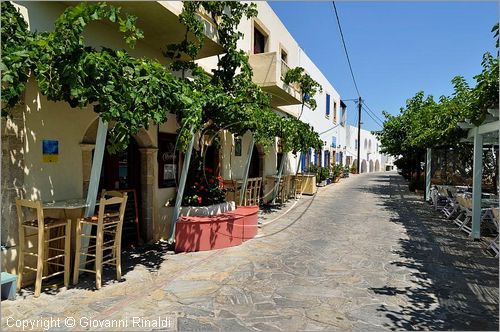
column 50, row 150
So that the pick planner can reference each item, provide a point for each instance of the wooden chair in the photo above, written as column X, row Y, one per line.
column 296, row 187
column 284, row 189
column 252, row 192
column 232, row 191
column 42, row 227
column 105, row 245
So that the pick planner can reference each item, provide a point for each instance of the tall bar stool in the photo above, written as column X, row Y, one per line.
column 30, row 218
column 105, row 246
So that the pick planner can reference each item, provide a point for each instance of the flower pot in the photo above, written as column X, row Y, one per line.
column 210, row 210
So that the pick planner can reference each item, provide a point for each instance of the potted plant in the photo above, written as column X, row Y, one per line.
column 204, row 193
column 337, row 172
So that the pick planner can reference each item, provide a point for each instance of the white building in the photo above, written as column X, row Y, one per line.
column 372, row 160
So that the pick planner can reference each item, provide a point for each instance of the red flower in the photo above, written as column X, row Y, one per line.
column 219, row 178
column 200, row 199
column 211, row 181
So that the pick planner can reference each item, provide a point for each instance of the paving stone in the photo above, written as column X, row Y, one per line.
column 189, row 324
column 363, row 254
column 232, row 325
column 326, row 315
column 183, row 289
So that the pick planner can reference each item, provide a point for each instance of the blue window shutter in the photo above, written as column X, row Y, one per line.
column 326, row 158
column 315, row 159
column 303, row 162
column 327, row 104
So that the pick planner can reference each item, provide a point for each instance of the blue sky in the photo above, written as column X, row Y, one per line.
column 396, row 48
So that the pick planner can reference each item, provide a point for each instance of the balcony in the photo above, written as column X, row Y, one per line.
column 268, row 73
column 160, row 22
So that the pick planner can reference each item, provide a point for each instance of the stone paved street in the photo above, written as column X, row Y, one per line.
column 363, row 254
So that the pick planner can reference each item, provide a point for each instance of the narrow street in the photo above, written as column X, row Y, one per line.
column 363, row 254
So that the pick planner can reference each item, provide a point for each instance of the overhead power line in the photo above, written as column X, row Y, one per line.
column 374, row 114
column 345, row 48
column 374, row 119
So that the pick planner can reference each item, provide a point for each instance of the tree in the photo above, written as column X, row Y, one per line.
column 133, row 92
column 426, row 123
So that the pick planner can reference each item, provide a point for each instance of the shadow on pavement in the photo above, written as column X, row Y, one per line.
column 454, row 280
column 150, row 256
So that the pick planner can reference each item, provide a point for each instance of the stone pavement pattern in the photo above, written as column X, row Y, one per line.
column 363, row 254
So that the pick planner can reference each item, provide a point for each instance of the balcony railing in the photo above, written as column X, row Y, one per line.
column 269, row 71
column 284, row 69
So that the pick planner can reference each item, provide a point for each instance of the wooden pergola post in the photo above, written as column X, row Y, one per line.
column 180, row 191
column 246, row 170
column 477, row 169
column 428, row 170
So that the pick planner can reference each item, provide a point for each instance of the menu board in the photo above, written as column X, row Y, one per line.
column 168, row 158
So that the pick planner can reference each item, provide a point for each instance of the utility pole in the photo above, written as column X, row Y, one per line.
column 359, row 136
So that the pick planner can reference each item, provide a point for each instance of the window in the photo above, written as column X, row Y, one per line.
column 284, row 63
column 259, row 41
column 284, row 56
column 366, row 143
column 355, row 144
column 343, row 113
column 327, row 105
column 334, row 112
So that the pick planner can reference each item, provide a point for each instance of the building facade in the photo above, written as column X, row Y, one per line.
column 150, row 160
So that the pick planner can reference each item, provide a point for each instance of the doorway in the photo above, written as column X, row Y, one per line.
column 255, row 164
column 122, row 171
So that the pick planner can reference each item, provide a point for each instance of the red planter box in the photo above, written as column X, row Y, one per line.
column 215, row 232
column 250, row 219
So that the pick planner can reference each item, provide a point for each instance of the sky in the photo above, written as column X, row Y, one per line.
column 396, row 48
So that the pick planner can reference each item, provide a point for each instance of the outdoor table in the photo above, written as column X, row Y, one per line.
column 68, row 204
column 72, row 209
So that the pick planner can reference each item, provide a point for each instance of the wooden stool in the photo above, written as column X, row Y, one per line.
column 105, row 247
column 42, row 226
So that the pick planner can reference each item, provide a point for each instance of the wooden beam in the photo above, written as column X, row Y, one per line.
column 477, row 177
column 247, row 168
column 182, row 185
column 428, row 169
column 484, row 129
